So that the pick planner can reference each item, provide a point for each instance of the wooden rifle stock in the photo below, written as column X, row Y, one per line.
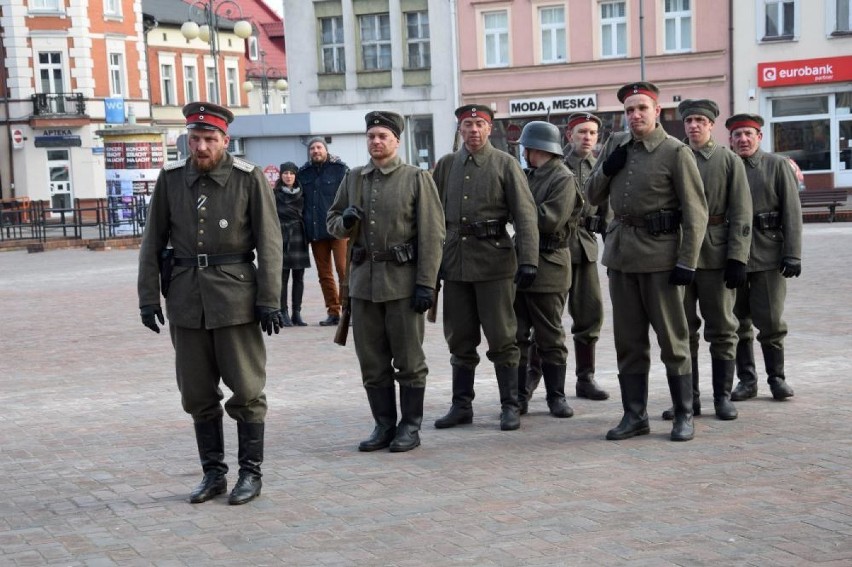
column 342, row 331
column 432, row 314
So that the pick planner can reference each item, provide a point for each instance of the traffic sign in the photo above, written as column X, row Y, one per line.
column 513, row 132
column 271, row 173
column 17, row 138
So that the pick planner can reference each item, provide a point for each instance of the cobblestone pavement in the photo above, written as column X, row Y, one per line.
column 98, row 458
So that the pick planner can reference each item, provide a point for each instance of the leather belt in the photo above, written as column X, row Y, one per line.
column 631, row 220
column 382, row 256
column 716, row 219
column 204, row 260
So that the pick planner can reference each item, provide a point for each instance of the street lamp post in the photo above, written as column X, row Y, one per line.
column 266, row 74
column 209, row 11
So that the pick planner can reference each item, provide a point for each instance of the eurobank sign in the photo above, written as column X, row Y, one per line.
column 553, row 105
column 804, row 72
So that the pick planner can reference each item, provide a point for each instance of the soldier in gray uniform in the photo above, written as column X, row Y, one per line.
column 776, row 254
column 723, row 257
column 396, row 253
column 585, row 303
column 651, row 252
column 481, row 189
column 539, row 307
column 215, row 211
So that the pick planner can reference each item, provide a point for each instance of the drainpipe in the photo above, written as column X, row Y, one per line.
column 4, row 81
column 642, row 39
column 731, row 56
column 455, row 51
column 148, row 24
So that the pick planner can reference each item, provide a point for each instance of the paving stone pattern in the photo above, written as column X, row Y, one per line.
column 97, row 457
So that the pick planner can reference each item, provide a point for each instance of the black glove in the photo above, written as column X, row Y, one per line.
column 791, row 268
column 150, row 314
column 351, row 215
column 735, row 274
column 421, row 301
column 681, row 276
column 271, row 320
column 525, row 276
column 615, row 161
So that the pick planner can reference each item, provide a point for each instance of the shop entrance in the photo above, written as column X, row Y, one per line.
column 59, row 169
column 843, row 177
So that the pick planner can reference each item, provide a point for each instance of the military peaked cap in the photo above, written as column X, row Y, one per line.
column 579, row 118
column 474, row 111
column 744, row 121
column 207, row 116
column 390, row 120
column 642, row 87
column 701, row 106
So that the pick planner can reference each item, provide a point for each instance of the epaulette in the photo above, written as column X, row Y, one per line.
column 243, row 165
column 175, row 164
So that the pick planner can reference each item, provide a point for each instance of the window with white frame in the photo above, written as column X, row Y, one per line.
column 331, row 41
column 551, row 21
column 112, row 7
column 252, row 48
column 678, row 25
column 233, row 98
column 840, row 16
column 115, row 62
column 167, row 84
column 190, row 83
column 496, row 34
column 417, row 36
column 779, row 19
column 210, row 79
column 45, row 5
column 613, row 29
column 375, row 42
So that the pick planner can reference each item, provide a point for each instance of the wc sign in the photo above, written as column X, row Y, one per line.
column 114, row 113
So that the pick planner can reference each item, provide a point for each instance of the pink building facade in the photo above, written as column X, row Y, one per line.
column 544, row 59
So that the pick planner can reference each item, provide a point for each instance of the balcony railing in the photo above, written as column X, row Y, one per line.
column 58, row 104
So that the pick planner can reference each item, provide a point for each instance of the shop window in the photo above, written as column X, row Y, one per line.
column 801, row 130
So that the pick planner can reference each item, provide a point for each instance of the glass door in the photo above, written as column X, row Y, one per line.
column 843, row 177
column 59, row 167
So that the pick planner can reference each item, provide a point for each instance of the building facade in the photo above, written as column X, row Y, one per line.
column 68, row 65
column 544, row 59
column 794, row 68
column 362, row 55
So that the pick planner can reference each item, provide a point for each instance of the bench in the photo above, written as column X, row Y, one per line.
column 830, row 198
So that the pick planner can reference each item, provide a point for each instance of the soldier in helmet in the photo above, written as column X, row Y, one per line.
column 481, row 188
column 539, row 307
column 216, row 210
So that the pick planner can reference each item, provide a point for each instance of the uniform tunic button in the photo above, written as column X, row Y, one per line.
column 201, row 231
column 372, row 222
column 467, row 176
column 201, row 220
column 242, row 277
column 203, row 208
column 201, row 244
column 464, row 219
column 465, row 197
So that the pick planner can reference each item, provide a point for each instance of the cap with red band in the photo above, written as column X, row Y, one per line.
column 744, row 121
column 580, row 118
column 645, row 88
column 207, row 116
column 474, row 111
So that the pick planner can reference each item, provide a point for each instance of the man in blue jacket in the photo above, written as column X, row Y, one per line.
column 320, row 177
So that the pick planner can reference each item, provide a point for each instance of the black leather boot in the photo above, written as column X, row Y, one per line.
column 634, row 401
column 774, row 360
column 211, row 450
column 250, row 456
column 554, row 382
column 383, row 406
column 746, row 372
column 681, row 390
column 286, row 316
column 523, row 393
column 510, row 411
column 461, row 412
column 723, row 379
column 533, row 371
column 411, row 407
column 584, row 354
column 297, row 318
column 668, row 414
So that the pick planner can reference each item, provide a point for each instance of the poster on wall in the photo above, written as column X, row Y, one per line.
column 132, row 168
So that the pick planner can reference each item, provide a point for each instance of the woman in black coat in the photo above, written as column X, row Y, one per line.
column 290, row 202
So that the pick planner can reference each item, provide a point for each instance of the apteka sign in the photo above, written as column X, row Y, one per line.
column 804, row 72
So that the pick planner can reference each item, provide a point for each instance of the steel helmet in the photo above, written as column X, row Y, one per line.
column 540, row 135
